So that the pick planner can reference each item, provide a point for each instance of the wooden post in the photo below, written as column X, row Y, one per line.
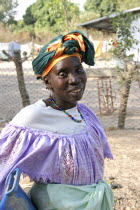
column 20, row 76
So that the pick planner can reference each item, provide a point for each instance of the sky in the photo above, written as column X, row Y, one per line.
column 23, row 4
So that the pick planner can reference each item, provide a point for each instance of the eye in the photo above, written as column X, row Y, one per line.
column 62, row 74
column 80, row 70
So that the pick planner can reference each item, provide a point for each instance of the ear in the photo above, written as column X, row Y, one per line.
column 46, row 81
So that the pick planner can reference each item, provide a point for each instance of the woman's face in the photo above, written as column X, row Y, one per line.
column 67, row 80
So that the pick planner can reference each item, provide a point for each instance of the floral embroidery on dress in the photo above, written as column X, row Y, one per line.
column 67, row 164
column 8, row 152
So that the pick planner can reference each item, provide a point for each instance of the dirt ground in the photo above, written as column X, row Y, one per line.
column 123, row 172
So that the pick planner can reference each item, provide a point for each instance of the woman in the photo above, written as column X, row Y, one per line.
column 58, row 142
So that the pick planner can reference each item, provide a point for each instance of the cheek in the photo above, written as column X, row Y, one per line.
column 59, row 85
column 84, row 79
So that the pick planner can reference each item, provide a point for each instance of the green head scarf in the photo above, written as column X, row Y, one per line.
column 73, row 42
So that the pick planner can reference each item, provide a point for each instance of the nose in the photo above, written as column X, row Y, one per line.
column 74, row 79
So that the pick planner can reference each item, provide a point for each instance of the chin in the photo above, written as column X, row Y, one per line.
column 77, row 98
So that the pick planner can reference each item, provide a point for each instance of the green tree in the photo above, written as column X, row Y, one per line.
column 127, row 4
column 108, row 7
column 29, row 18
column 102, row 7
column 7, row 10
column 52, row 14
column 127, row 71
column 90, row 5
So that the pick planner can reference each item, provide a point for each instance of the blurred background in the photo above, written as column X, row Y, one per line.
column 113, row 86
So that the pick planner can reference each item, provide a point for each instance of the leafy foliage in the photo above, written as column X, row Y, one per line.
column 7, row 10
column 84, row 16
column 127, row 4
column 50, row 13
column 102, row 7
column 125, row 39
column 56, row 16
column 127, row 71
column 108, row 7
column 28, row 18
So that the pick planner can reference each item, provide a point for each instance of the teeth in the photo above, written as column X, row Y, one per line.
column 76, row 91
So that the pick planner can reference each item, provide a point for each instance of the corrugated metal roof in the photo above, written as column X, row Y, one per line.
column 104, row 23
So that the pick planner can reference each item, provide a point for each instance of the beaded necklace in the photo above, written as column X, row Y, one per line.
column 58, row 107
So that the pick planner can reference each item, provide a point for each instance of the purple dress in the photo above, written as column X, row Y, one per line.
column 47, row 157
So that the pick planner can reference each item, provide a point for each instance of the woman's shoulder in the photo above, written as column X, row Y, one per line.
column 94, row 122
column 86, row 110
column 29, row 114
column 91, row 117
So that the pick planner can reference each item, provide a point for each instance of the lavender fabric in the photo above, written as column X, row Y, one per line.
column 47, row 157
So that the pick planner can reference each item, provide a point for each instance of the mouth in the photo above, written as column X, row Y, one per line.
column 76, row 90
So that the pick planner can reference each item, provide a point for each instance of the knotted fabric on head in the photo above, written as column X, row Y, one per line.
column 74, row 43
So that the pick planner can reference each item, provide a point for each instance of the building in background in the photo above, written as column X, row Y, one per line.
column 104, row 24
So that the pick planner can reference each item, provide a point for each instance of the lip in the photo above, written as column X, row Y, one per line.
column 76, row 90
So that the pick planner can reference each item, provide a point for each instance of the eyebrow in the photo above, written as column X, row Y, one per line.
column 61, row 69
column 65, row 68
column 78, row 65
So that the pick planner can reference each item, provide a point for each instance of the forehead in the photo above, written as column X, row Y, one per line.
column 67, row 63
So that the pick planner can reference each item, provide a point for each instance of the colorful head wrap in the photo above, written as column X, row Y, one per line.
column 74, row 43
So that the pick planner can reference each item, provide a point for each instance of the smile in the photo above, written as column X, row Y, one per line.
column 76, row 91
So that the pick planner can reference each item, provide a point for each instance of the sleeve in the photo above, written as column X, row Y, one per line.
column 8, row 149
column 93, row 121
column 12, row 149
column 29, row 150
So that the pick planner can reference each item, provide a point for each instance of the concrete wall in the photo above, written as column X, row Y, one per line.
column 136, row 47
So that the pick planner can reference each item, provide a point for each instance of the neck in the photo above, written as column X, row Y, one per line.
column 63, row 104
column 69, row 115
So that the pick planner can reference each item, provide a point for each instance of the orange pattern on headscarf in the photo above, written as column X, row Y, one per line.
column 53, row 47
column 77, row 37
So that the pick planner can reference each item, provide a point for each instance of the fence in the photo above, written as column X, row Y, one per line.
column 10, row 47
column 101, row 94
